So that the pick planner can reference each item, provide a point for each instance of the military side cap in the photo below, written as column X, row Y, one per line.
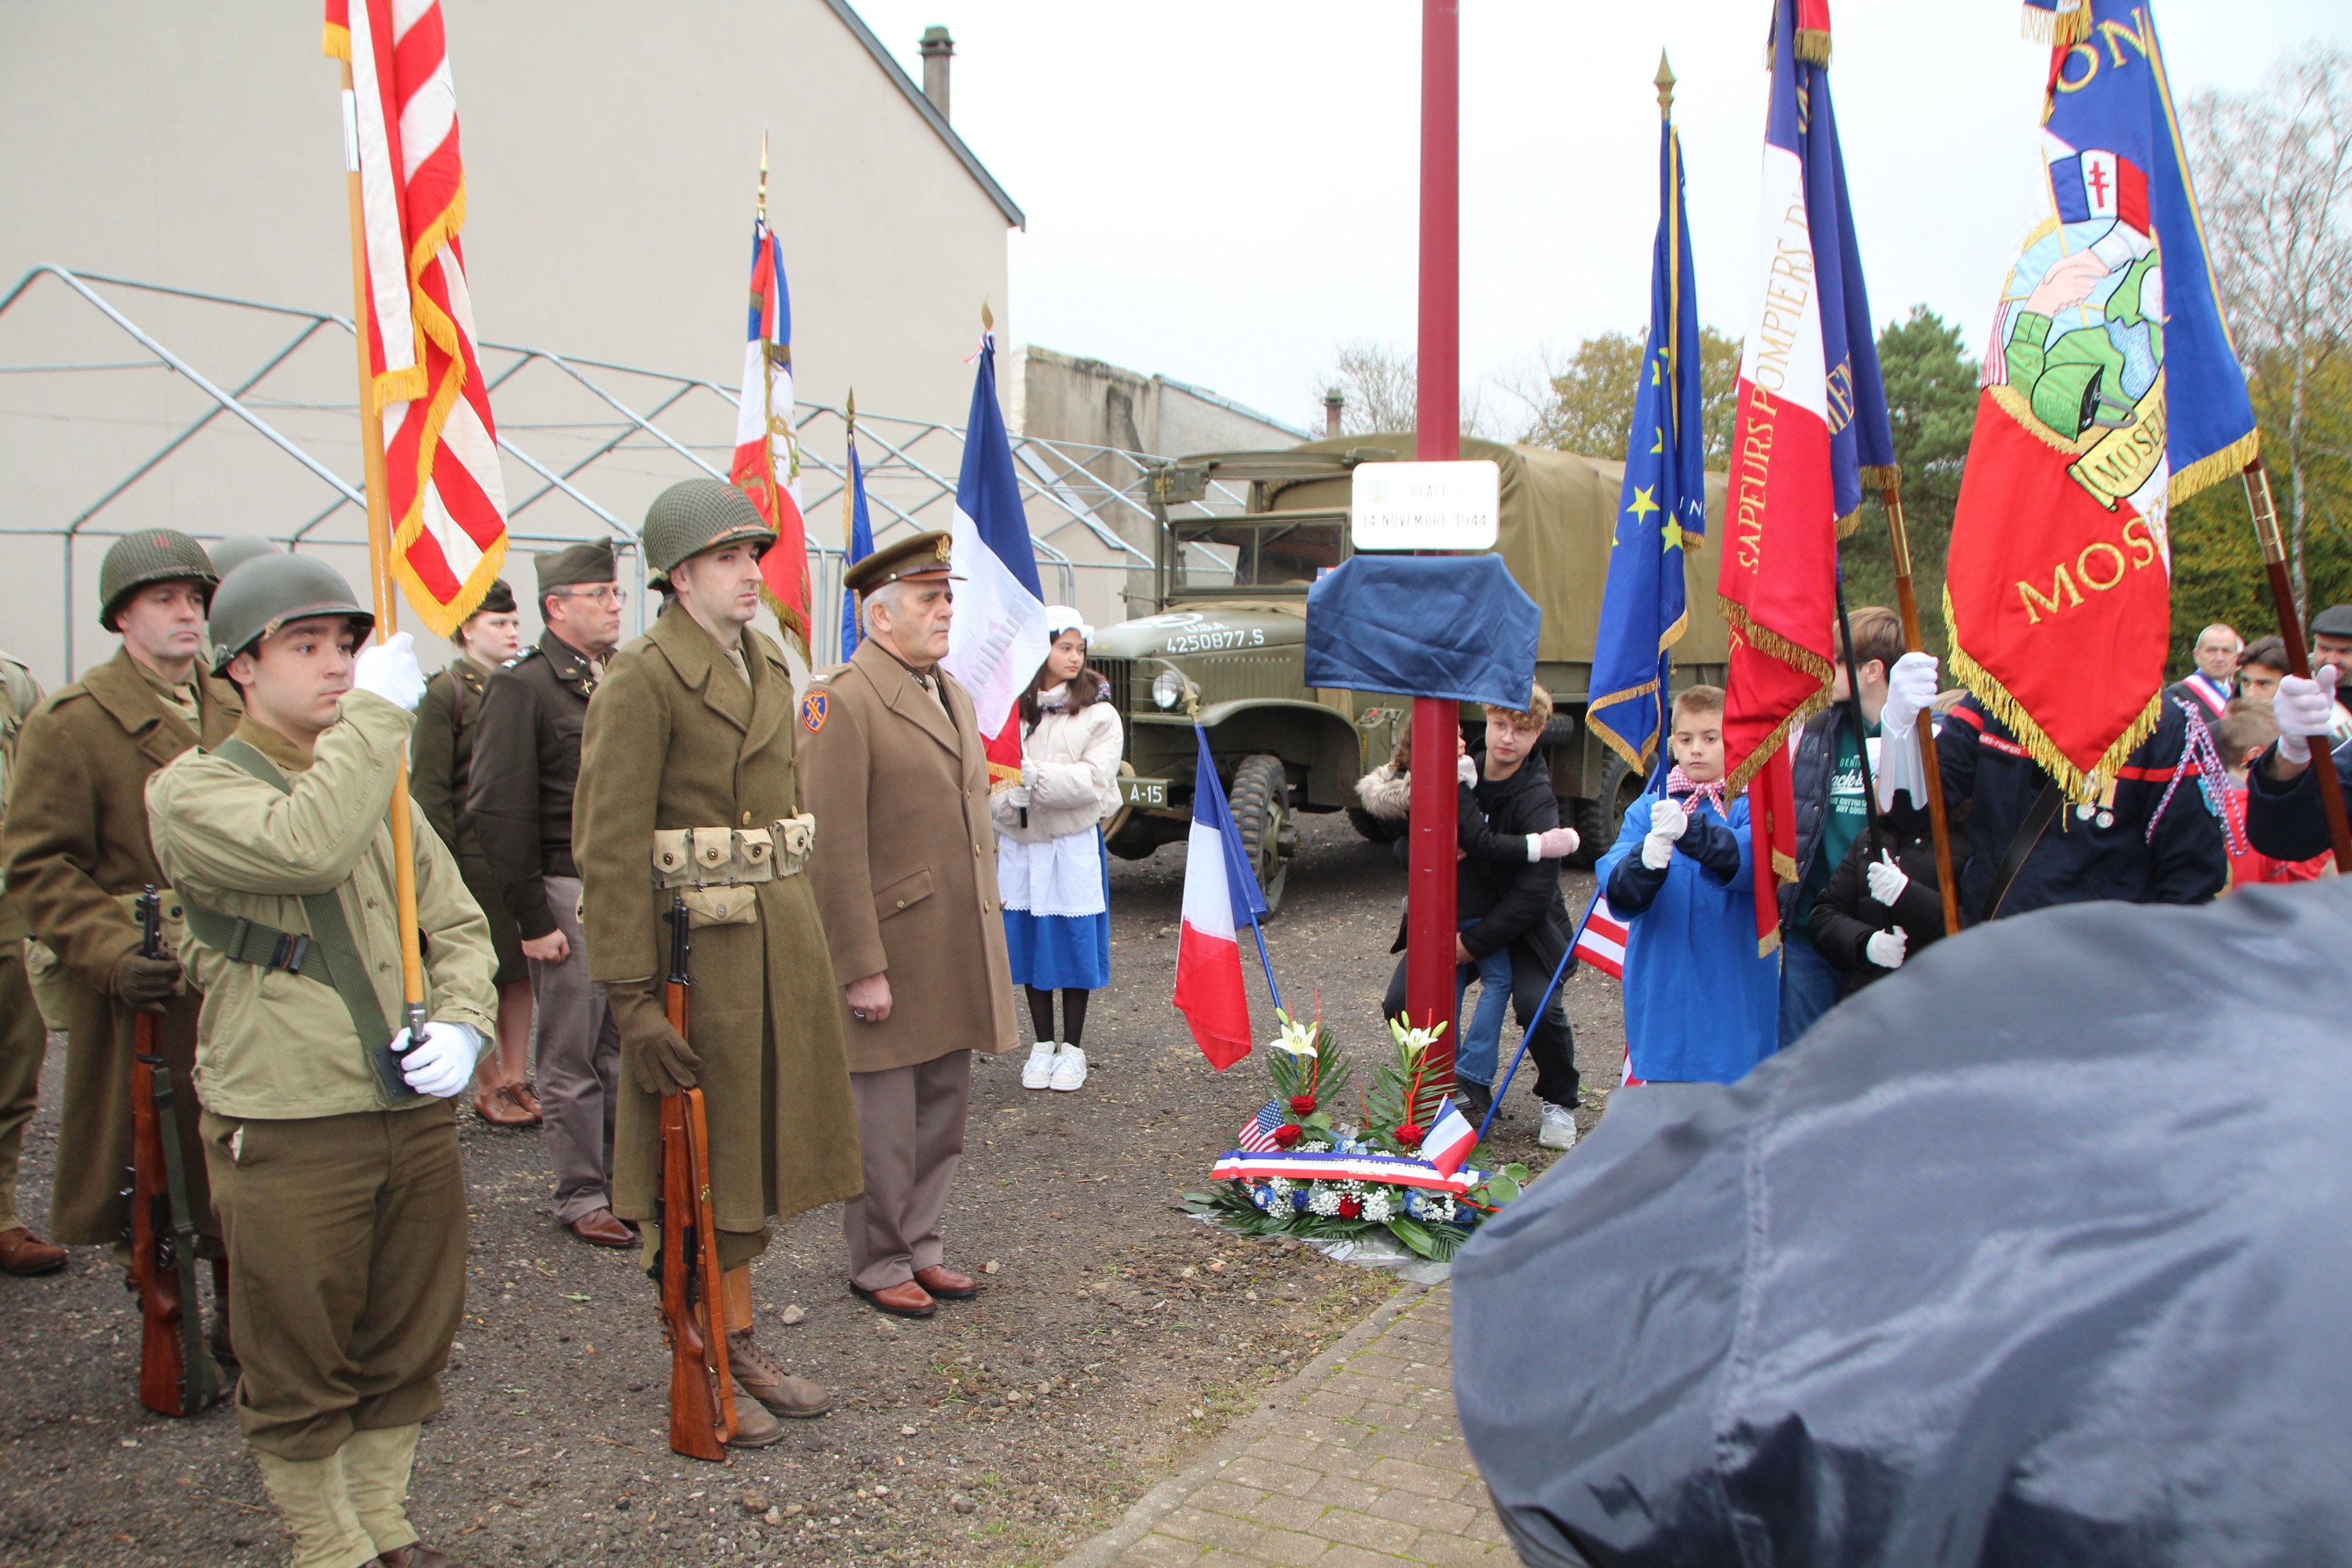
column 234, row 552
column 150, row 555
column 591, row 563
column 272, row 590
column 924, row 555
column 498, row 601
column 695, row 515
column 2335, row 621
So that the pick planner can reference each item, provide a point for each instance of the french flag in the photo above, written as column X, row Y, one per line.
column 997, row 639
column 1450, row 1138
column 1221, row 896
column 767, row 465
column 1602, row 942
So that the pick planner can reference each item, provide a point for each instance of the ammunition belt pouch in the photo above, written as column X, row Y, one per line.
column 714, row 869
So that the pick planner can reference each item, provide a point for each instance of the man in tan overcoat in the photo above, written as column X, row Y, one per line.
column 688, row 788
column 79, row 855
column 906, row 874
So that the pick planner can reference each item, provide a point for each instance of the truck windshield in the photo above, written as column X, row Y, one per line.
column 1231, row 553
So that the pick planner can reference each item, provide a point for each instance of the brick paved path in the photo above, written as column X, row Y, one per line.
column 1356, row 1463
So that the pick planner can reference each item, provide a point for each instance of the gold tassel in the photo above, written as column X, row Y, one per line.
column 1813, row 46
column 2056, row 28
column 2081, row 788
column 1882, row 476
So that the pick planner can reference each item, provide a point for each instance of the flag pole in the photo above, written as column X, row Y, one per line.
column 380, row 573
column 1907, row 599
column 2323, row 758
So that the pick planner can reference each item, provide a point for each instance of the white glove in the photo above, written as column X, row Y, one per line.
column 1657, row 850
column 1552, row 844
column 2304, row 709
column 1884, row 948
column 1017, row 797
column 1466, row 771
column 1910, row 688
column 1887, row 879
column 1670, row 819
column 443, row 1061
column 388, row 669
column 1028, row 774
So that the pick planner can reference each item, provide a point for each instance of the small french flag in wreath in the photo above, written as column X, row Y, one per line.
column 1450, row 1138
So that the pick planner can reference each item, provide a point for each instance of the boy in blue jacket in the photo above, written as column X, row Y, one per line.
column 1700, row 1005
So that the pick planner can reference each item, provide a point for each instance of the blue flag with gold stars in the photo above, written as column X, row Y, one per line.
column 1664, row 505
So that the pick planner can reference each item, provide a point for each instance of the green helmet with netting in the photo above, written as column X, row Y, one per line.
column 695, row 515
column 150, row 556
column 267, row 592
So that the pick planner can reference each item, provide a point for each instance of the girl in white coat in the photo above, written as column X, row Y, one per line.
column 1049, row 848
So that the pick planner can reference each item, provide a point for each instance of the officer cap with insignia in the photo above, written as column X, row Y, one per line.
column 922, row 557
column 2335, row 621
column 694, row 516
column 150, row 556
column 573, row 566
column 498, row 601
column 271, row 590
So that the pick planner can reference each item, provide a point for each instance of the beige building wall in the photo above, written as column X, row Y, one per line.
column 611, row 152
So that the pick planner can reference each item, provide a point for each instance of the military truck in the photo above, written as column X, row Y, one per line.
column 1227, row 649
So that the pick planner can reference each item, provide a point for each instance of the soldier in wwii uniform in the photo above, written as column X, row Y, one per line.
column 906, row 874
column 687, row 789
column 23, row 1037
column 79, row 858
column 328, row 1131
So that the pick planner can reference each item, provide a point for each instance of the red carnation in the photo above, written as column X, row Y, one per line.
column 1410, row 1133
column 1349, row 1208
column 1284, row 1136
column 1302, row 1105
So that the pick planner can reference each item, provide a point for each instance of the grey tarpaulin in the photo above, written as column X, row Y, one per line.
column 2038, row 1252
column 1424, row 626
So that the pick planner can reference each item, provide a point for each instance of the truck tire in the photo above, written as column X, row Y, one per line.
column 1371, row 828
column 1261, row 808
column 1600, row 819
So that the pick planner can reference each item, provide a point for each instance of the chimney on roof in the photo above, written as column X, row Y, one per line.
column 937, row 50
column 1334, row 400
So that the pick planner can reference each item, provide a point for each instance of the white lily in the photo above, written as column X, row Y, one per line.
column 1414, row 1041
column 1298, row 1037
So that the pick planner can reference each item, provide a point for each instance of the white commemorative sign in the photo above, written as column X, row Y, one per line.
column 1425, row 506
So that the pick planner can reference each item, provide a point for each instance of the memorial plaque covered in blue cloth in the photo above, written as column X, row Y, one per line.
column 1424, row 626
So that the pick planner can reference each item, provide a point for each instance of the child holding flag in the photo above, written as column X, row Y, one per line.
column 1701, row 1005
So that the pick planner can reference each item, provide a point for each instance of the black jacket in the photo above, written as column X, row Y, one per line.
column 524, row 772
column 1845, row 917
column 1495, row 884
column 2285, row 820
column 2081, row 858
column 1811, row 762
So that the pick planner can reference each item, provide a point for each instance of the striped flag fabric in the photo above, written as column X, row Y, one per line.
column 1221, row 896
column 857, row 536
column 767, row 465
column 444, row 494
column 998, row 638
column 1602, row 940
column 1256, row 1135
column 1450, row 1138
column 1813, row 433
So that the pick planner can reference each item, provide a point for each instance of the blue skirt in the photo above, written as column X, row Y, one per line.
column 1061, row 952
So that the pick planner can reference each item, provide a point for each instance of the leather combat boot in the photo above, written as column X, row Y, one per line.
column 769, row 1384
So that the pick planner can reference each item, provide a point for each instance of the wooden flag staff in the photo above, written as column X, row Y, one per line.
column 2323, row 759
column 1906, row 602
column 380, row 573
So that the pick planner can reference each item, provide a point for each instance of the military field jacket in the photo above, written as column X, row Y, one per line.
column 274, row 1045
column 524, row 772
column 441, row 752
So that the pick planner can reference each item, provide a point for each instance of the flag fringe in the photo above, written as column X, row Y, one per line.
column 1882, row 476
column 2211, row 470
column 1848, row 525
column 1787, row 652
column 1813, row 46
column 1638, row 758
column 1769, row 943
column 2004, row 706
column 794, row 624
column 2057, row 28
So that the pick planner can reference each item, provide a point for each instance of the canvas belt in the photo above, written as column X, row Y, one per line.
column 326, row 952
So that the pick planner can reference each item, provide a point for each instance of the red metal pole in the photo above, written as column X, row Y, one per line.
column 1429, row 937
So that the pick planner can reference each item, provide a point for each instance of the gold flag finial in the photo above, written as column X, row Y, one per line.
column 763, row 176
column 853, row 408
column 1666, row 80
column 987, row 318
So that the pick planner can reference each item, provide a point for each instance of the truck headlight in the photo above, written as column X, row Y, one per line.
column 1168, row 689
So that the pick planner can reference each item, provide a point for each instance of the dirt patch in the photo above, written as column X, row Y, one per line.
column 1115, row 1337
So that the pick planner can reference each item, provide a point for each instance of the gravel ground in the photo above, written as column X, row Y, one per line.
column 1114, row 1337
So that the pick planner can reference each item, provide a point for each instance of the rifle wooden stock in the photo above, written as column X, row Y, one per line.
column 701, row 1388
column 178, row 1374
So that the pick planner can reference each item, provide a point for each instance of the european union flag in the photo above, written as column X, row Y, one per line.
column 857, row 537
column 1664, row 505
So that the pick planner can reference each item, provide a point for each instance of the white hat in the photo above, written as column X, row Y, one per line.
column 1060, row 618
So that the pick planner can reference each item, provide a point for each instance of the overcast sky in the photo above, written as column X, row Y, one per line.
column 1225, row 192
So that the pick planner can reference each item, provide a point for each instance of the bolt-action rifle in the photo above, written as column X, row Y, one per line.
column 701, row 1390
column 178, row 1374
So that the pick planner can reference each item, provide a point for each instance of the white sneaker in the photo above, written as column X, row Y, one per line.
column 1558, row 1127
column 1038, row 1071
column 1070, row 1068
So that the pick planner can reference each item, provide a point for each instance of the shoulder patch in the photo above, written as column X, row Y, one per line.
column 815, row 707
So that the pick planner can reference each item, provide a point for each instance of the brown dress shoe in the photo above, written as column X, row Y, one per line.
column 754, row 1427
column 602, row 1229
column 769, row 1384
column 522, row 1094
column 495, row 1107
column 417, row 1554
column 946, row 1283
column 524, row 1107
column 22, row 1252
column 905, row 1300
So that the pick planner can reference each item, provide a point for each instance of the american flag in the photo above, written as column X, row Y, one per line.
column 1602, row 942
column 1256, row 1135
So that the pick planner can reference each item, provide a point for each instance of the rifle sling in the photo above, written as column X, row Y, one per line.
column 2029, row 833
column 200, row 1381
column 326, row 954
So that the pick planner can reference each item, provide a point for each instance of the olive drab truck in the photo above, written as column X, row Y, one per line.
column 1227, row 649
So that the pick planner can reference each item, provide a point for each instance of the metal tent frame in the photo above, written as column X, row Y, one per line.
column 909, row 463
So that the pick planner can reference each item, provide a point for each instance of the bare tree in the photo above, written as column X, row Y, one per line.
column 1379, row 393
column 1583, row 400
column 2274, row 168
